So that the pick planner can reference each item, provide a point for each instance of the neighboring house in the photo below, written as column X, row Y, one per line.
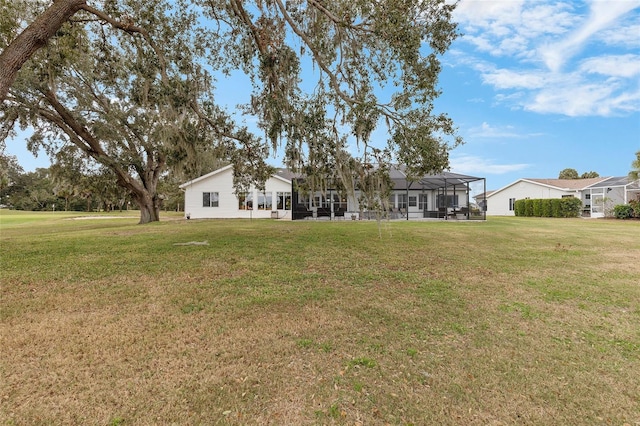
column 597, row 194
column 443, row 196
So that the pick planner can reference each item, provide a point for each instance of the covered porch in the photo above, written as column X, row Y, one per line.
column 444, row 196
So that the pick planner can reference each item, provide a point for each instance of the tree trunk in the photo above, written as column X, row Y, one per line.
column 32, row 38
column 149, row 209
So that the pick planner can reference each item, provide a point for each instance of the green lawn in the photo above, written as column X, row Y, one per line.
column 508, row 321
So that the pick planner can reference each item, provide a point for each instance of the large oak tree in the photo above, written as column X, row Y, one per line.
column 127, row 84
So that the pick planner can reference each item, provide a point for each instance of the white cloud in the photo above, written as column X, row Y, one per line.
column 602, row 15
column 575, row 59
column 518, row 79
column 546, row 19
column 484, row 13
column 469, row 164
column 586, row 100
column 613, row 65
column 625, row 36
column 485, row 130
column 511, row 28
column 488, row 131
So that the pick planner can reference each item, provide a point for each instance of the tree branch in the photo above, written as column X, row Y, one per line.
column 83, row 139
column 129, row 27
column 335, row 84
column 33, row 38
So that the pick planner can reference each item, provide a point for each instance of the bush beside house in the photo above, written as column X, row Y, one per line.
column 627, row 211
column 548, row 207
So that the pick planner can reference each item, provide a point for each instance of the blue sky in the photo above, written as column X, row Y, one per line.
column 534, row 87
column 539, row 86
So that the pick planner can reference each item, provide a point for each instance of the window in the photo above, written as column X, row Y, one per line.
column 265, row 202
column 587, row 196
column 210, row 199
column 283, row 200
column 402, row 201
column 339, row 203
column 447, row 200
column 319, row 200
column 245, row 200
column 392, row 201
column 567, row 196
column 422, row 202
column 512, row 204
column 413, row 201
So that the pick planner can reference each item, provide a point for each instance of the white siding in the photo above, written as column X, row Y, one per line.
column 498, row 202
column 222, row 183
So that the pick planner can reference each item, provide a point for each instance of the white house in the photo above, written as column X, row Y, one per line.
column 213, row 196
column 443, row 196
column 597, row 194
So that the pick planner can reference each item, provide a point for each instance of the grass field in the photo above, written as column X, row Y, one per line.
column 508, row 321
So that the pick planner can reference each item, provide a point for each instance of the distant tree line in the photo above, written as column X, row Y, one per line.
column 65, row 188
column 634, row 173
column 573, row 174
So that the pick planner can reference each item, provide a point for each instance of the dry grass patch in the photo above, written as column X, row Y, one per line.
column 320, row 323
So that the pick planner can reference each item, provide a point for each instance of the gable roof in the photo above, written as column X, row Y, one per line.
column 281, row 174
column 576, row 184
column 568, row 184
column 560, row 184
column 208, row 175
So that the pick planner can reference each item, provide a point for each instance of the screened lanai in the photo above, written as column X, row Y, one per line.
column 443, row 196
column 600, row 197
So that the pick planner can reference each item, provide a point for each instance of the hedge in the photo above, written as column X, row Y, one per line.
column 555, row 207
column 528, row 207
column 548, row 207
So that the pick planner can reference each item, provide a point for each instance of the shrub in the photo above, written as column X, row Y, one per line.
column 623, row 211
column 547, row 210
column 519, row 207
column 635, row 205
column 570, row 207
column 555, row 207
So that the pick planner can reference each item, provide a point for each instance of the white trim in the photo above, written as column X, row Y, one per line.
column 203, row 177
column 215, row 172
